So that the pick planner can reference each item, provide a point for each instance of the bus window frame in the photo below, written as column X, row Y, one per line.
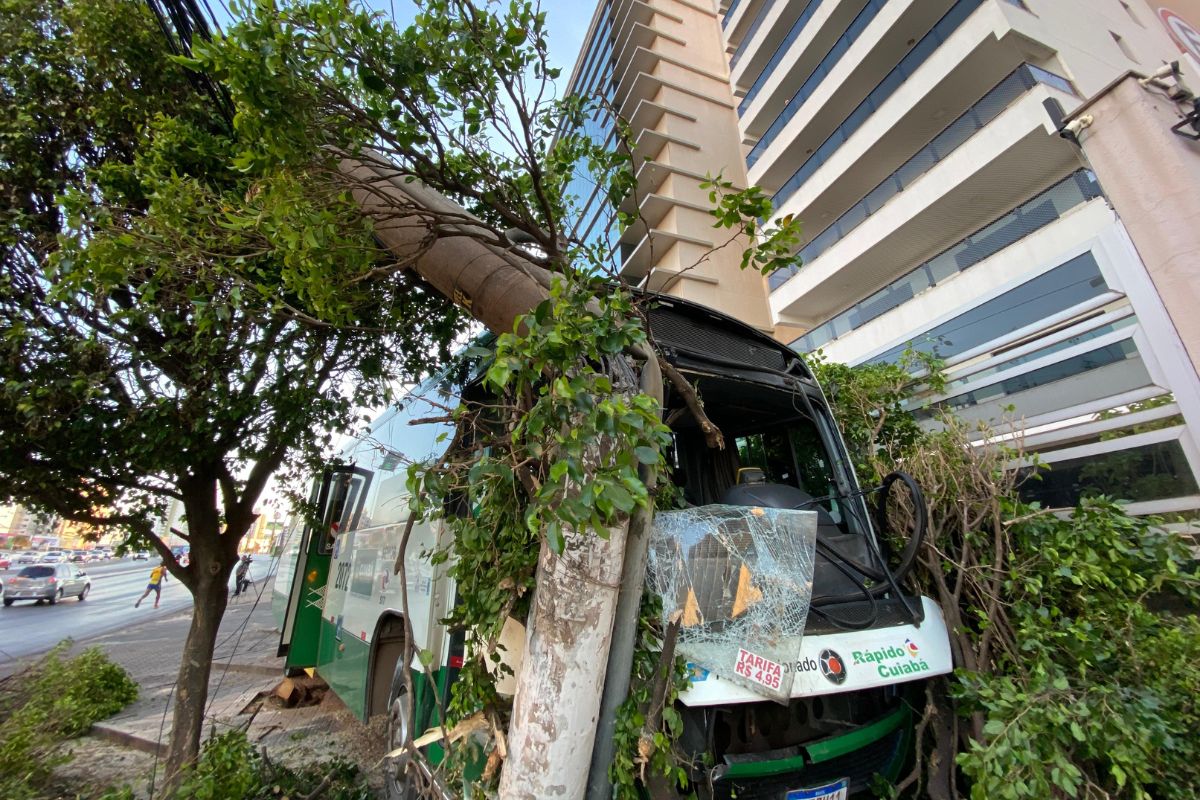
column 349, row 486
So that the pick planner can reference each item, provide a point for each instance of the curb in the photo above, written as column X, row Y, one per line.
column 130, row 740
column 252, row 669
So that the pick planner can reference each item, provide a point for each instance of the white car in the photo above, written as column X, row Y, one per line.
column 53, row 557
column 28, row 557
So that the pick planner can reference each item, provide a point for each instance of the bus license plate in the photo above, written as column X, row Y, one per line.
column 838, row 790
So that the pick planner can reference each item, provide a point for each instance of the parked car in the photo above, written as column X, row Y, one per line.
column 53, row 557
column 49, row 582
column 28, row 557
column 141, row 555
column 5, row 561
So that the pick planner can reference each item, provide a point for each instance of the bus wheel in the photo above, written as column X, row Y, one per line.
column 399, row 780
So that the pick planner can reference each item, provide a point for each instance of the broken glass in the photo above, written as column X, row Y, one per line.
column 739, row 578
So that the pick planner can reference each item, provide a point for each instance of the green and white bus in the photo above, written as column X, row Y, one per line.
column 865, row 640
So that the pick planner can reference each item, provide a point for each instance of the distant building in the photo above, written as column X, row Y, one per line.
column 918, row 141
column 23, row 527
column 264, row 536
column 172, row 520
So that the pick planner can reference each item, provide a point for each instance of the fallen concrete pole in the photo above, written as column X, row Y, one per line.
column 559, row 686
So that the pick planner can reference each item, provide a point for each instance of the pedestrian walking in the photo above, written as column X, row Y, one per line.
column 157, row 576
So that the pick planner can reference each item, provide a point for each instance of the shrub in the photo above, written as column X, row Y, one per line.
column 1073, row 679
column 58, row 698
column 229, row 768
column 1099, row 695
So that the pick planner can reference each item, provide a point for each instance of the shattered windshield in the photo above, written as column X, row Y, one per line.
column 739, row 579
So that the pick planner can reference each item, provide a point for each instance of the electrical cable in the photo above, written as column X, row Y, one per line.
column 833, row 557
column 241, row 629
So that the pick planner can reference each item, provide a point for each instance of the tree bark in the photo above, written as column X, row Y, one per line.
column 209, row 598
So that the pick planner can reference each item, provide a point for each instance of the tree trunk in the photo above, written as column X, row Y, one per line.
column 209, row 598
column 557, row 703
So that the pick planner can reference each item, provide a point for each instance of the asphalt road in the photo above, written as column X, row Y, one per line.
column 27, row 627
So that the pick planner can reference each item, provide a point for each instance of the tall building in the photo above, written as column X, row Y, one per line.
column 23, row 527
column 919, row 143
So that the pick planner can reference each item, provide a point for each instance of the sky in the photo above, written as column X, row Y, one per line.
column 566, row 23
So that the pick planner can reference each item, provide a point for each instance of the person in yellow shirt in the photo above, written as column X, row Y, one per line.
column 157, row 576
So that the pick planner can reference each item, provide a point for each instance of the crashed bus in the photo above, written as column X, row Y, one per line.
column 803, row 645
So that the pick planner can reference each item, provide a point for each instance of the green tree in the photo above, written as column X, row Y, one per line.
column 167, row 332
column 452, row 138
column 1076, row 636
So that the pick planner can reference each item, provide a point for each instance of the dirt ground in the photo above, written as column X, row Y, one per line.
column 97, row 764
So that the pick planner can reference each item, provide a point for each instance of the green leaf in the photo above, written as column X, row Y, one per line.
column 646, row 455
column 370, row 80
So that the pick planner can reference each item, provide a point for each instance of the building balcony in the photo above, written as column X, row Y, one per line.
column 878, row 139
column 783, row 122
column 767, row 77
column 1013, row 157
column 751, row 44
column 736, row 16
column 1064, row 218
column 826, row 231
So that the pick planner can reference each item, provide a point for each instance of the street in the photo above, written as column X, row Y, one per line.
column 147, row 642
column 27, row 627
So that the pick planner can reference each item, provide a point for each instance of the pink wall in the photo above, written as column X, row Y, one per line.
column 1152, row 177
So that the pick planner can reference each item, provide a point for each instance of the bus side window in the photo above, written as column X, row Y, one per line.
column 344, row 502
column 769, row 451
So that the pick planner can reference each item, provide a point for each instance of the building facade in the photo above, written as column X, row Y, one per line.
column 919, row 143
column 23, row 527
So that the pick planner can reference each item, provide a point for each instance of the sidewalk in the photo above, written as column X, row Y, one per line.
column 244, row 666
column 246, row 672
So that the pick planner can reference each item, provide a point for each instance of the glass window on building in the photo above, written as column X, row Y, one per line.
column 1136, row 475
column 1063, row 287
column 1067, row 368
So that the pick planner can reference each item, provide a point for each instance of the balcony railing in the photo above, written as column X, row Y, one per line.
column 1022, row 221
column 920, row 52
column 729, row 12
column 831, row 59
column 754, row 26
column 767, row 71
column 1024, row 78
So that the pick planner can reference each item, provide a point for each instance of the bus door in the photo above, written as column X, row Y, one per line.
column 339, row 503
